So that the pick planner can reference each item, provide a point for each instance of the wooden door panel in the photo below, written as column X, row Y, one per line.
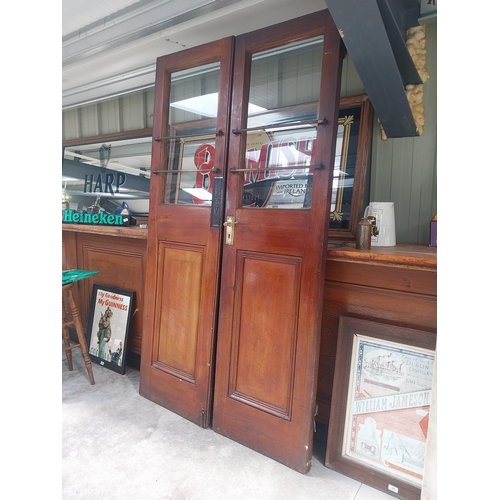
column 178, row 375
column 264, row 343
column 190, row 224
column 276, row 232
column 180, row 298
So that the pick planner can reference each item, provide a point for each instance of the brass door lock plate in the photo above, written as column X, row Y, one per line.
column 229, row 224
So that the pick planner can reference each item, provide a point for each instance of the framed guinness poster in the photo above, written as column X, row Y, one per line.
column 108, row 326
column 380, row 405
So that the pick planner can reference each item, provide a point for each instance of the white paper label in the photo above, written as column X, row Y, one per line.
column 392, row 488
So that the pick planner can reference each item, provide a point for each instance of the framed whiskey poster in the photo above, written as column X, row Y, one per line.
column 380, row 405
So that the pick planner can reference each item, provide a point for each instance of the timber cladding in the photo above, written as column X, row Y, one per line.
column 397, row 295
column 121, row 262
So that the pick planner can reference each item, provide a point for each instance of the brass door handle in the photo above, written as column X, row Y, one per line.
column 229, row 224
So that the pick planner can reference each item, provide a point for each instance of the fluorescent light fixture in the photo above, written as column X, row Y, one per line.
column 206, row 105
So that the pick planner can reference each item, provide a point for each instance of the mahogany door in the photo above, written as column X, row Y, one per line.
column 184, row 237
column 265, row 171
column 273, row 260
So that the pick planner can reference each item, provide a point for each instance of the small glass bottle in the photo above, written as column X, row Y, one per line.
column 364, row 235
column 96, row 207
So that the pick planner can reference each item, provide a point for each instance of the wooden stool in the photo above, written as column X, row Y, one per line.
column 68, row 302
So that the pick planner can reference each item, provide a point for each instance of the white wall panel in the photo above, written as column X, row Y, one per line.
column 264, row 84
column 89, row 120
column 70, row 124
column 109, row 116
column 150, row 106
column 351, row 83
column 132, row 111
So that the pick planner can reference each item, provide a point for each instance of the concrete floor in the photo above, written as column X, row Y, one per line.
column 118, row 445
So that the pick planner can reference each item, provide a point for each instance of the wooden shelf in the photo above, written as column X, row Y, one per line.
column 402, row 255
column 124, row 231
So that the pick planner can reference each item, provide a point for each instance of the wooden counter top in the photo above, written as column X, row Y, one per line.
column 123, row 231
column 403, row 255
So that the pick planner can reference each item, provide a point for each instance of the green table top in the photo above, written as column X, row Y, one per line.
column 76, row 275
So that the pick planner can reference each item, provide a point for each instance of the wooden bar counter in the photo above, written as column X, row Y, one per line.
column 394, row 285
column 119, row 254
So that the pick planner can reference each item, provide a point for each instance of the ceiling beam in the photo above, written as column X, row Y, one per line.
column 398, row 16
column 374, row 33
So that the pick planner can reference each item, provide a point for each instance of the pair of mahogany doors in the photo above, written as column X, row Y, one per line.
column 244, row 137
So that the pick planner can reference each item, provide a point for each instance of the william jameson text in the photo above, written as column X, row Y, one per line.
column 396, row 402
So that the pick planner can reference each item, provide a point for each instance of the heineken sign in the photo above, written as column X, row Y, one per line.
column 101, row 218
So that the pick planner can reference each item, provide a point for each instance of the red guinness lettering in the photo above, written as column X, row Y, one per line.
column 204, row 159
column 290, row 152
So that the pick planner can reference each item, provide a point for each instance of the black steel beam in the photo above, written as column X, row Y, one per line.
column 365, row 35
column 398, row 16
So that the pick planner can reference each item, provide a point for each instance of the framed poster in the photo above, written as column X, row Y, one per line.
column 108, row 325
column 380, row 405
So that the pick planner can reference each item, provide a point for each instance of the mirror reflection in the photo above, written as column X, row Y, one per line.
column 110, row 173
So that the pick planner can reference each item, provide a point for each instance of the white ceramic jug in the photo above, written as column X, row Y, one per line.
column 381, row 215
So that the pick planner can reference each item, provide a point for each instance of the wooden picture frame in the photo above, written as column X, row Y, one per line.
column 356, row 116
column 381, row 396
column 108, row 326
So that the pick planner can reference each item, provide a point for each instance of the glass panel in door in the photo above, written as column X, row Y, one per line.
column 192, row 131
column 281, row 130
